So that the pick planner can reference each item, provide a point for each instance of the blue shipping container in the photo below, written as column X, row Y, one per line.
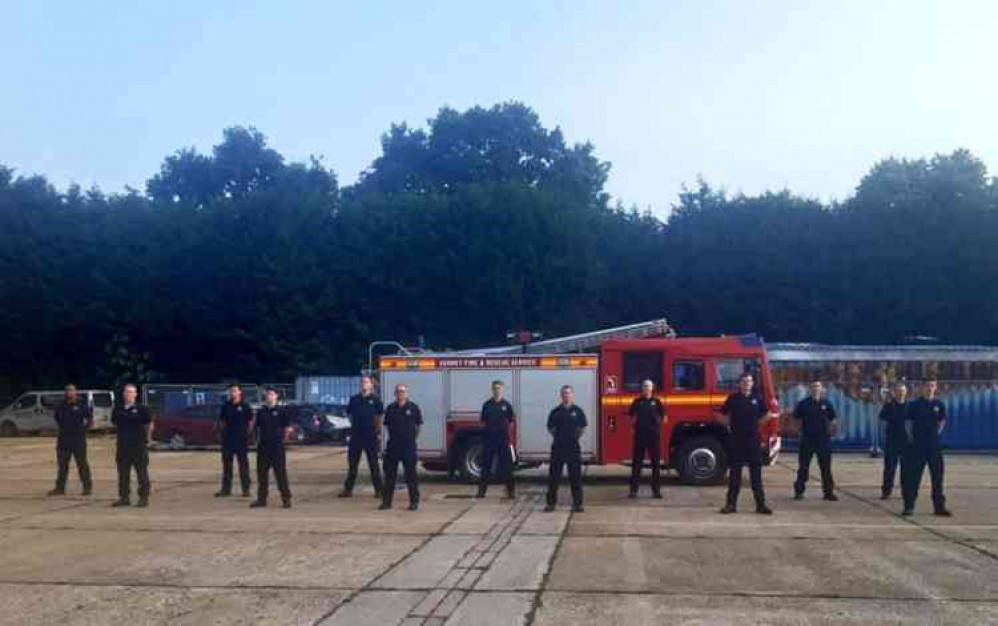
column 972, row 411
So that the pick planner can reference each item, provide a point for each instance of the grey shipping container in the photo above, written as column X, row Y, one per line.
column 326, row 389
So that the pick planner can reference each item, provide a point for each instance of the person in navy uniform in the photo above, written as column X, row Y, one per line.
column 743, row 412
column 235, row 420
column 403, row 420
column 894, row 414
column 816, row 421
column 647, row 415
column 133, row 423
column 271, row 425
column 926, row 419
column 566, row 423
column 497, row 418
column 366, row 414
column 73, row 418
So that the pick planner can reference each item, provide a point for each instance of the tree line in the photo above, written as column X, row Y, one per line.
column 241, row 264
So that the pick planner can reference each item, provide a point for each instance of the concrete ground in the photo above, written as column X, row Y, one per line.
column 194, row 559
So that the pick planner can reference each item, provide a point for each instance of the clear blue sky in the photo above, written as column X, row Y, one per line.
column 751, row 95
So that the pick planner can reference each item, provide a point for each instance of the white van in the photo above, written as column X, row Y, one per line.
column 34, row 411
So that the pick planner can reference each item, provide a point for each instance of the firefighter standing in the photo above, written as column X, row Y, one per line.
column 566, row 423
column 366, row 414
column 894, row 414
column 743, row 412
column 73, row 419
column 497, row 417
column 647, row 415
column 926, row 417
column 234, row 420
column 133, row 423
column 816, row 420
column 272, row 423
column 403, row 420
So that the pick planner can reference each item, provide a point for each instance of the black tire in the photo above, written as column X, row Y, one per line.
column 468, row 467
column 702, row 461
column 177, row 441
column 8, row 429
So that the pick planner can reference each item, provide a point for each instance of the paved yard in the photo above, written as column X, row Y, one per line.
column 193, row 559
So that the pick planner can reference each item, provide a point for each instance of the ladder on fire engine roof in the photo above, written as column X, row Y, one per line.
column 584, row 341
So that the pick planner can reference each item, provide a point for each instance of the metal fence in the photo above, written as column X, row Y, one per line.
column 168, row 398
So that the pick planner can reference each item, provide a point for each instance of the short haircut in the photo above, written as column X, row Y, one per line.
column 647, row 381
column 815, row 382
column 567, row 388
column 498, row 382
column 127, row 385
column 367, row 376
column 235, row 386
column 931, row 379
column 270, row 388
column 401, row 386
column 747, row 375
column 70, row 386
column 900, row 383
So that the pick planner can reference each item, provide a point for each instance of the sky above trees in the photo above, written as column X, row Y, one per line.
column 759, row 96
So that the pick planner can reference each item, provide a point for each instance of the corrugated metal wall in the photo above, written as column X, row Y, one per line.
column 326, row 389
column 972, row 411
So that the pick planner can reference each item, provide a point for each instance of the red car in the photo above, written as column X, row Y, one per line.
column 196, row 426
column 189, row 426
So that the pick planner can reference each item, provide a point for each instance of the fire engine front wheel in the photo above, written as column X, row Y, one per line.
column 702, row 461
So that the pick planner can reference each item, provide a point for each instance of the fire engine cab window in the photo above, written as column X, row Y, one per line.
column 687, row 375
column 730, row 370
column 642, row 366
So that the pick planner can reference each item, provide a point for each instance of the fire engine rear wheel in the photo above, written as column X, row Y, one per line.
column 702, row 461
column 468, row 464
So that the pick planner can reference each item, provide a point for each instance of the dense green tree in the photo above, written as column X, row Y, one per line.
column 241, row 265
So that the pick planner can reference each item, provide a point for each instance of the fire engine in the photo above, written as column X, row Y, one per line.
column 693, row 376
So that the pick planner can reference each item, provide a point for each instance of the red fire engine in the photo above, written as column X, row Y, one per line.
column 693, row 376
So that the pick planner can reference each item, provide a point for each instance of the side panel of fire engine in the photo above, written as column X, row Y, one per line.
column 470, row 388
column 539, row 393
column 428, row 390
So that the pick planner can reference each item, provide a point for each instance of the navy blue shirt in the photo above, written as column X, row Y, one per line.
column 925, row 416
column 235, row 419
column 894, row 414
column 648, row 413
column 270, row 424
column 73, row 419
column 744, row 413
column 402, row 422
column 815, row 416
column 131, row 423
column 497, row 417
column 363, row 412
column 564, row 423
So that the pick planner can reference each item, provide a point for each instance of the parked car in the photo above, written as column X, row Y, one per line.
column 189, row 426
column 34, row 411
column 319, row 424
column 196, row 426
